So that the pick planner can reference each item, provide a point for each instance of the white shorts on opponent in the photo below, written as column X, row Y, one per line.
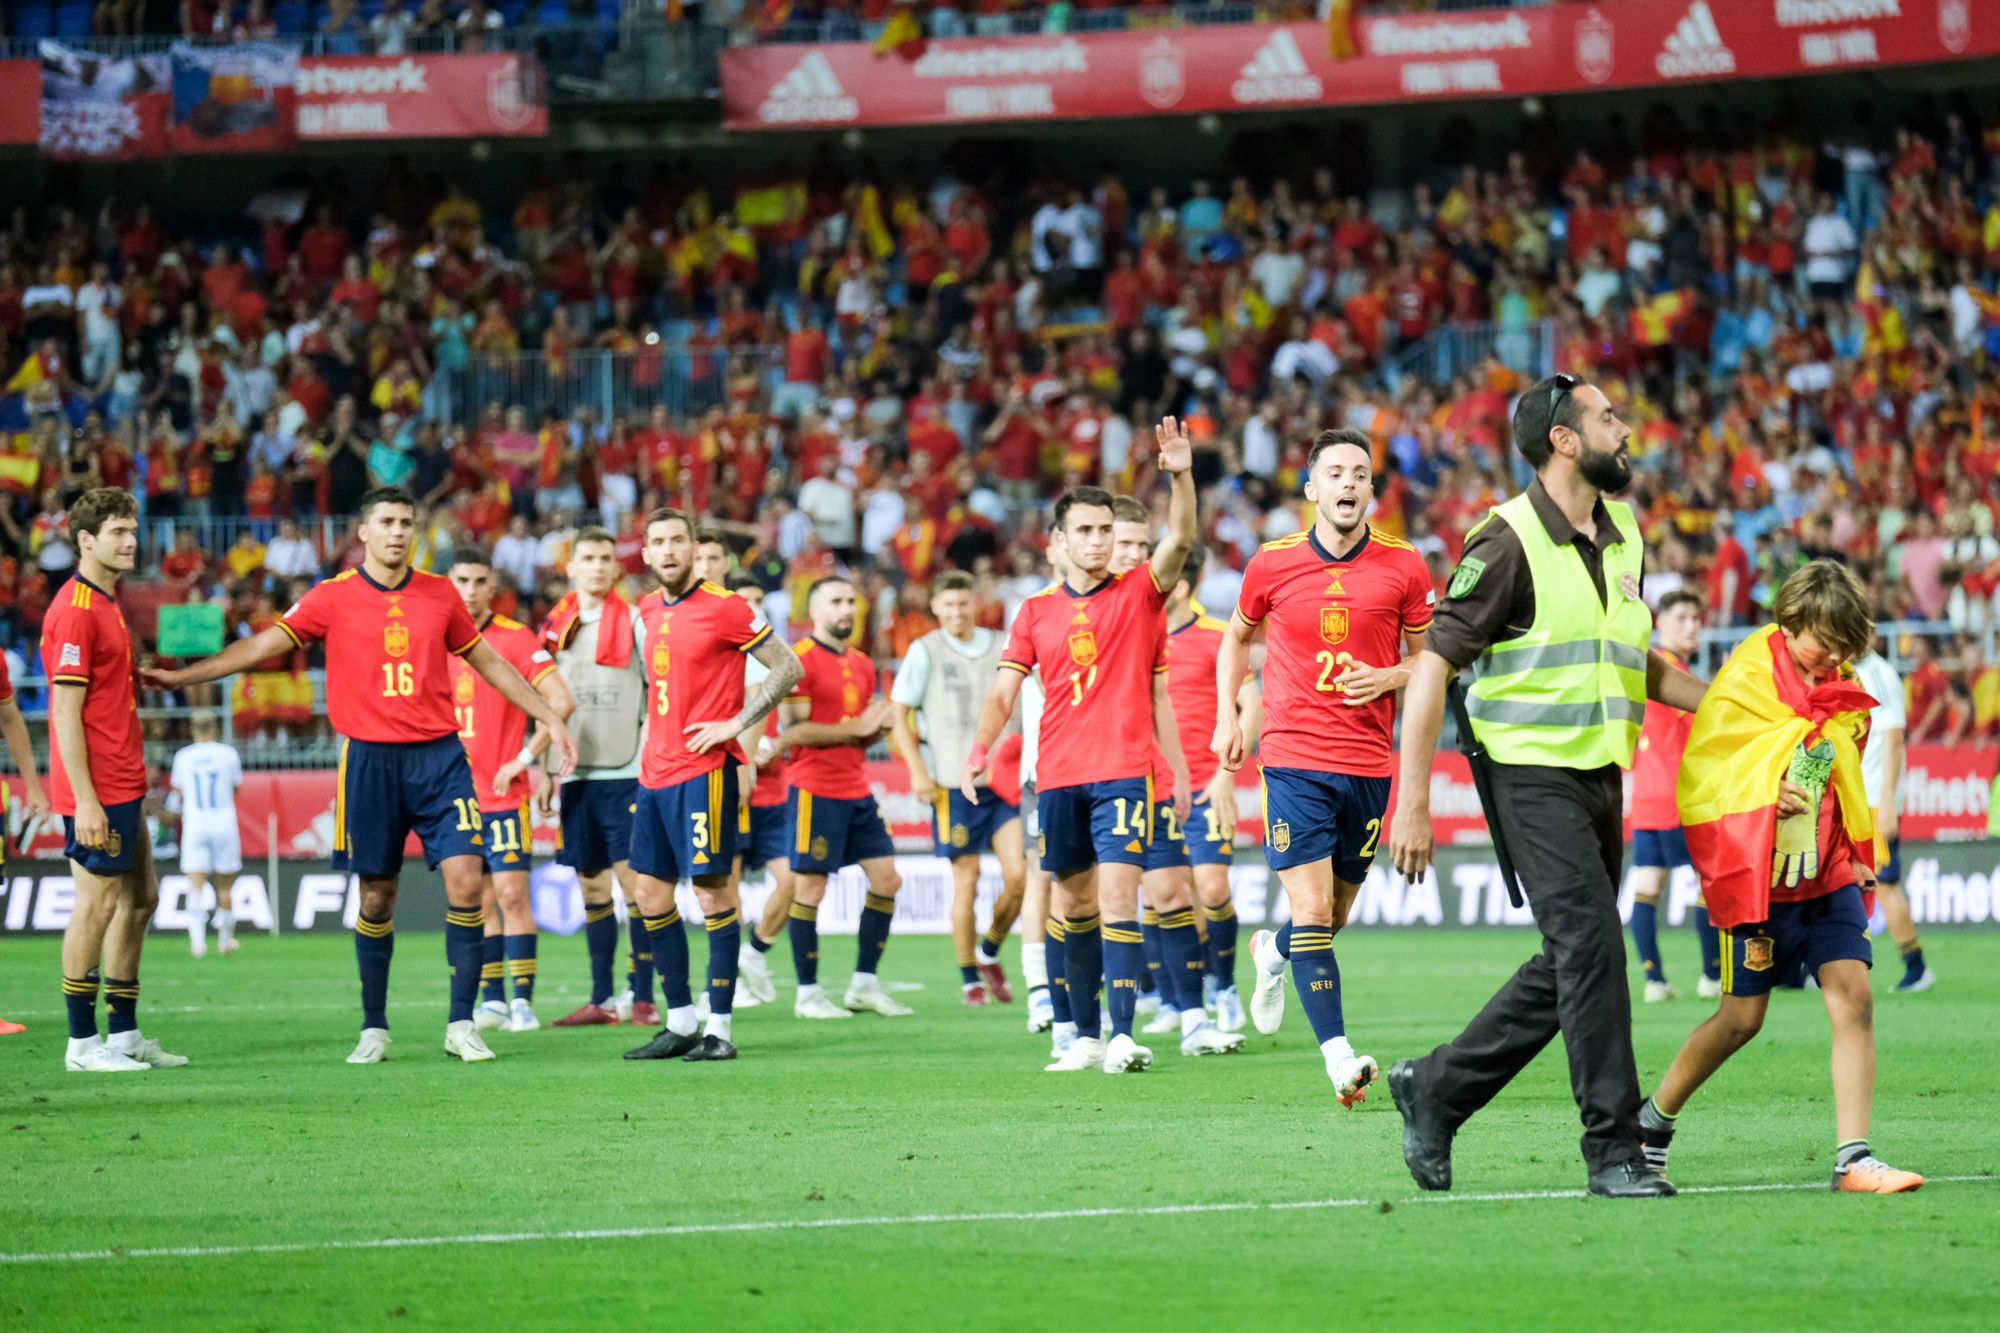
column 211, row 851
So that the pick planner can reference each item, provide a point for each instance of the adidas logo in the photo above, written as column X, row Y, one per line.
column 1694, row 48
column 1277, row 73
column 811, row 92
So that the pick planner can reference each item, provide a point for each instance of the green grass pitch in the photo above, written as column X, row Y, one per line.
column 825, row 1179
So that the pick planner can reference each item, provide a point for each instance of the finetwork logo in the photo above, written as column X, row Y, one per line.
column 811, row 92
column 1694, row 48
column 1277, row 73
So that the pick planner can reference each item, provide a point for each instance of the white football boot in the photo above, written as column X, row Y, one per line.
column 373, row 1048
column 1267, row 996
column 89, row 1055
column 1125, row 1056
column 134, row 1045
column 1083, row 1053
column 462, row 1039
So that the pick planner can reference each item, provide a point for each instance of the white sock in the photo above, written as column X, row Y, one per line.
column 1035, row 964
column 198, row 927
column 1191, row 1021
column 225, row 925
column 718, row 1025
column 1336, row 1049
column 1067, row 1030
column 680, row 1020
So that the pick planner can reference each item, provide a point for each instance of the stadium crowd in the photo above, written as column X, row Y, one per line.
column 899, row 370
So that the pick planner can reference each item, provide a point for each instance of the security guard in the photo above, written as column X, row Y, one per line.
column 1545, row 608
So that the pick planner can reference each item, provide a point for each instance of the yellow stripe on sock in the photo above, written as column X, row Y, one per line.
column 877, row 903
column 804, row 912
column 724, row 921
column 1056, row 931
column 492, row 971
column 374, row 930
column 653, row 923
column 1149, row 917
column 1112, row 936
column 595, row 914
column 1222, row 913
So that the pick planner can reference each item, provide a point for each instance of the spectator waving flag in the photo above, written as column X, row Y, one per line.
column 902, row 35
column 232, row 99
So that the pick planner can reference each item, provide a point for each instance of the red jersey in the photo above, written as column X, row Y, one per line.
column 839, row 684
column 493, row 729
column 771, row 777
column 1191, row 653
column 1662, row 742
column 1319, row 608
column 388, row 651
column 86, row 642
column 690, row 646
column 1097, row 652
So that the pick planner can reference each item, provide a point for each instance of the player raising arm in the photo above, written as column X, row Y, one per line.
column 1094, row 638
column 14, row 729
column 390, row 632
column 1335, row 601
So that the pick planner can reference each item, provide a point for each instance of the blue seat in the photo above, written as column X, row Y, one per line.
column 552, row 13
column 514, row 11
column 32, row 19
column 290, row 15
column 73, row 18
column 609, row 11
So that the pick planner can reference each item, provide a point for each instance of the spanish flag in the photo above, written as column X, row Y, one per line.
column 1653, row 323
column 903, row 34
column 1340, row 30
column 1754, row 716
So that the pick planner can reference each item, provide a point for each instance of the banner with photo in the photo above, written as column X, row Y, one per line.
column 234, row 99
column 103, row 108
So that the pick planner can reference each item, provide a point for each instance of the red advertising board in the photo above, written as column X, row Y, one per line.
column 420, row 97
column 1401, row 58
column 20, row 102
column 1945, row 795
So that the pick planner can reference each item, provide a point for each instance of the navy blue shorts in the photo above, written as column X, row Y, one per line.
column 1169, row 848
column 1795, row 943
column 597, row 823
column 687, row 829
column 507, row 840
column 829, row 833
column 768, row 837
column 1659, row 849
column 1890, row 871
column 126, row 823
column 960, row 828
column 1311, row 816
column 1095, row 823
column 388, row 790
column 1208, row 843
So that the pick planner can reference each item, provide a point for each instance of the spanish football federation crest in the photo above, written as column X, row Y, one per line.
column 1757, row 953
column 464, row 688
column 661, row 658
column 1333, row 623
column 1083, row 647
column 819, row 849
column 114, row 845
column 850, row 700
column 396, row 640
column 1281, row 836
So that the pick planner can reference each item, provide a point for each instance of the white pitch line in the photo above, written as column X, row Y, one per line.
column 832, row 1223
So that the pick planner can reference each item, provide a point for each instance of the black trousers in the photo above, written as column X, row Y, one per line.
column 1564, row 830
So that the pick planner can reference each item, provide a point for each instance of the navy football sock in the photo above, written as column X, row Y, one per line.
column 1180, row 959
column 1149, row 980
column 1124, row 961
column 1053, row 958
column 1646, row 939
column 725, row 937
column 374, row 946
column 80, row 999
column 493, row 968
column 521, row 965
column 1317, row 977
column 121, row 1005
column 639, row 977
column 1083, row 967
column 803, row 927
column 873, row 935
column 600, row 936
column 669, row 941
column 1222, row 943
column 1711, row 944
column 465, row 950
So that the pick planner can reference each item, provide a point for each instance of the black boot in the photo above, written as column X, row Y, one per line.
column 668, row 1045
column 1426, row 1142
column 1630, row 1180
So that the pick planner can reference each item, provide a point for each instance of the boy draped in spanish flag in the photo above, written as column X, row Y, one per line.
column 1780, row 830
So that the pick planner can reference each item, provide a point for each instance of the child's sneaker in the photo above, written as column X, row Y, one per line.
column 1869, row 1174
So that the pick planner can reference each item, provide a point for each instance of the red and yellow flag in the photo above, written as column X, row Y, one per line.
column 1739, row 749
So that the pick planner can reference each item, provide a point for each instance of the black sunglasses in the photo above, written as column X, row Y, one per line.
column 1562, row 384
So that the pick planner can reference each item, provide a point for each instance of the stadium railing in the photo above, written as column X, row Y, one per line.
column 1717, row 644
column 1457, row 349
column 610, row 383
column 1056, row 19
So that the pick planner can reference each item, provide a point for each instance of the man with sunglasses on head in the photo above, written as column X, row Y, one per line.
column 1545, row 606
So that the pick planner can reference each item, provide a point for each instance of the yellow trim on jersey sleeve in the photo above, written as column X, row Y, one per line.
column 291, row 633
column 506, row 622
column 1417, row 629
column 70, row 680
column 756, row 640
column 1014, row 666
column 1209, row 622
column 542, row 675
column 470, row 644
column 1247, row 621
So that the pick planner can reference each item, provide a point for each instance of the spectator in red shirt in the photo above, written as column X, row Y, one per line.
column 324, row 248
column 1729, row 575
column 361, row 297
column 1929, row 694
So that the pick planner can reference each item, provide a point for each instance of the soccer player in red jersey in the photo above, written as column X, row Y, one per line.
column 390, row 631
column 14, row 729
column 1172, row 942
column 763, row 833
column 97, row 781
column 1344, row 608
column 1095, row 639
column 1658, row 845
column 691, row 636
column 832, row 718
column 501, row 753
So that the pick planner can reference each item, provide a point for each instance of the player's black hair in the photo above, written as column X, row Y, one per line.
column 470, row 555
column 1546, row 404
column 737, row 580
column 822, row 581
column 1326, row 439
column 1680, row 597
column 1094, row 496
column 1197, row 556
column 384, row 495
column 665, row 514
column 707, row 536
